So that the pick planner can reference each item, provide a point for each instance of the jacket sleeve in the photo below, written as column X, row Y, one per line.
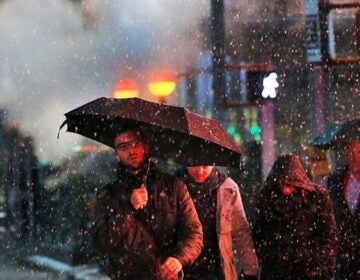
column 328, row 234
column 190, row 235
column 241, row 234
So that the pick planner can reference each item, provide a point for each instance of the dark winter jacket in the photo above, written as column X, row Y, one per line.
column 137, row 241
column 348, row 261
column 295, row 235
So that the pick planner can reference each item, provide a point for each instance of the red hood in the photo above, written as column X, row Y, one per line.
column 287, row 169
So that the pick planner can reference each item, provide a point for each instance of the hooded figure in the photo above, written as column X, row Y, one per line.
column 295, row 232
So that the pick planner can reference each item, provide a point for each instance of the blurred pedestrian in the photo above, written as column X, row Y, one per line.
column 146, row 222
column 344, row 188
column 295, row 232
column 225, row 227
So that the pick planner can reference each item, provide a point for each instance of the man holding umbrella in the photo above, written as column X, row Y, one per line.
column 147, row 223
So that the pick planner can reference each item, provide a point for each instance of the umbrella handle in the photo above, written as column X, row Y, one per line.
column 147, row 171
column 61, row 126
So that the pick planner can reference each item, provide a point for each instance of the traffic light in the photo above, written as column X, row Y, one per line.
column 261, row 85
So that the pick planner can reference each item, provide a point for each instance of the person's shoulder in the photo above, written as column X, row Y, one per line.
column 323, row 193
column 157, row 173
column 321, row 189
column 335, row 178
column 105, row 190
column 170, row 179
column 229, row 185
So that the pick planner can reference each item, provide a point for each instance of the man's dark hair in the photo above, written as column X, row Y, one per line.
column 130, row 127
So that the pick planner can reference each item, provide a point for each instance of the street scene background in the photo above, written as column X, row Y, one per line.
column 57, row 55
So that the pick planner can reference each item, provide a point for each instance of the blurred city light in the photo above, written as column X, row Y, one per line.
column 89, row 148
column 126, row 88
column 162, row 83
column 255, row 130
column 232, row 130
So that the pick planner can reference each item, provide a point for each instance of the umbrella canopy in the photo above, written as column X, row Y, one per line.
column 323, row 141
column 172, row 132
column 338, row 135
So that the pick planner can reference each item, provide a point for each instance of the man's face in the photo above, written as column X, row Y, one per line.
column 130, row 150
column 353, row 158
column 200, row 173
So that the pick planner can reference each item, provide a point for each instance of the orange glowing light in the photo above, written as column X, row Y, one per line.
column 162, row 83
column 126, row 88
column 88, row 148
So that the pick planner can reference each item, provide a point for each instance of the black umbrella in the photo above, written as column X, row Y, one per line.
column 172, row 132
column 337, row 135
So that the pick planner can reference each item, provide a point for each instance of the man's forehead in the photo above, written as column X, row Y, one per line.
column 127, row 136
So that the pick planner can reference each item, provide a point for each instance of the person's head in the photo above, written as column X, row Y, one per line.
column 352, row 152
column 287, row 174
column 130, row 148
column 200, row 173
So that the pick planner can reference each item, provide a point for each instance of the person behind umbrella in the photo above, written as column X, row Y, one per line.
column 225, row 226
column 344, row 188
column 294, row 232
column 145, row 222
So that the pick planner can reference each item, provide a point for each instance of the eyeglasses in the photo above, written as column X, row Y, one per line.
column 123, row 147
